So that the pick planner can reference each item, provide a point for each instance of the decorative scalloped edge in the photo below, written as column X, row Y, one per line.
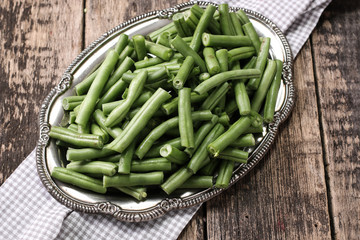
column 167, row 204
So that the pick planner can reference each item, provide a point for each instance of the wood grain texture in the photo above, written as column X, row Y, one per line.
column 336, row 55
column 285, row 196
column 37, row 42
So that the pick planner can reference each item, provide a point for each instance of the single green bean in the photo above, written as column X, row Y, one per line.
column 167, row 28
column 240, row 53
column 173, row 154
column 139, row 46
column 223, row 59
column 214, row 98
column 184, row 72
column 236, row 24
column 198, row 182
column 234, row 154
column 155, row 150
column 242, row 17
column 246, row 140
column 185, row 119
column 80, row 154
column 149, row 165
column 172, row 106
column 78, row 179
column 148, row 62
column 163, row 39
column 100, row 118
column 220, row 78
column 158, row 50
column 113, row 158
column 272, row 94
column 176, row 180
column 83, row 87
column 214, row 26
column 97, row 130
column 105, row 168
column 133, row 179
column 225, row 41
column 89, row 103
column 70, row 102
column 126, row 159
column 267, row 78
column 225, row 139
column 224, row 119
column 211, row 62
column 121, row 43
column 209, row 169
column 225, row 172
column 225, row 20
column 242, row 98
column 127, row 52
column 113, row 93
column 251, row 32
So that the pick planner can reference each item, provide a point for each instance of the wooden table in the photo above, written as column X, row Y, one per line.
column 308, row 185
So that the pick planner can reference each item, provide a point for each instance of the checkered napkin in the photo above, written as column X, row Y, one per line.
column 28, row 211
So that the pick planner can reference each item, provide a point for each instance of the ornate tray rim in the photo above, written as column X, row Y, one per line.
column 167, row 204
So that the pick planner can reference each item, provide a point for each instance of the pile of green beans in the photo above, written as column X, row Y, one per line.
column 178, row 108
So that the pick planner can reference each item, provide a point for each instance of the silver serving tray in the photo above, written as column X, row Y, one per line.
column 158, row 203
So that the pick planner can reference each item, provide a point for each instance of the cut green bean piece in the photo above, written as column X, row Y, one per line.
column 223, row 59
column 89, row 103
column 133, row 179
column 87, row 154
column 247, row 140
column 224, row 119
column 139, row 46
column 100, row 118
column 261, row 61
column 105, row 168
column 149, row 165
column 211, row 61
column 201, row 27
column 148, row 62
column 250, row 31
column 78, row 179
column 225, row 21
column 155, row 150
column 173, row 154
column 172, row 106
column 267, row 78
column 183, row 73
column 113, row 93
column 167, row 28
column 214, row 26
column 240, row 53
column 242, row 98
column 185, row 119
column 209, row 169
column 242, row 17
column 83, row 87
column 225, row 41
column 135, row 192
column 163, row 39
column 225, row 173
column 127, row 52
column 215, row 97
column 236, row 24
column 234, row 154
column 229, row 136
column 158, row 50
column 201, row 153
column 272, row 94
column 139, row 121
column 135, row 88
column 70, row 102
column 122, row 43
column 97, row 130
column 220, row 78
column 126, row 159
column 198, row 182
column 176, row 180
column 113, row 158
column 185, row 50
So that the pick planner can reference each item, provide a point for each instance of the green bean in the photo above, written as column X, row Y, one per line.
column 173, row 154
column 78, row 179
column 214, row 98
column 155, row 150
column 185, row 50
column 139, row 46
column 201, row 133
column 139, row 121
column 172, row 66
column 272, row 94
column 198, row 182
column 88, row 104
column 267, row 78
column 83, row 87
column 158, row 50
column 261, row 61
column 237, row 54
column 152, row 164
column 183, row 73
column 225, row 41
column 126, row 159
column 211, row 62
column 201, row 153
column 252, row 129
column 242, row 17
column 246, row 140
column 179, row 25
column 114, row 92
column 73, row 127
column 220, row 78
column 113, row 158
column 87, row 154
column 250, row 31
column 121, row 43
column 77, row 139
column 97, row 130
column 71, row 105
column 236, row 24
column 70, row 102
column 242, row 98
column 191, row 20
column 172, row 106
column 209, row 169
column 72, row 117
column 163, row 39
column 133, row 112
column 234, row 154
column 100, row 118
column 114, row 78
column 223, row 59
column 185, row 119
column 225, row 21
column 214, row 26
column 154, row 76
column 229, row 136
column 170, row 28
column 225, row 173
column 127, row 52
column 136, row 192
column 176, row 180
column 160, row 130
column 135, row 88
column 133, row 179
column 224, row 119
column 148, row 62
column 231, row 107
column 108, row 107
column 201, row 27
column 105, row 168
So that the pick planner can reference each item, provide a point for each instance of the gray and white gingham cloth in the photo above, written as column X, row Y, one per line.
column 28, row 211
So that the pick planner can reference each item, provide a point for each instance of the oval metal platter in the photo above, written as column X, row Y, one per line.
column 158, row 203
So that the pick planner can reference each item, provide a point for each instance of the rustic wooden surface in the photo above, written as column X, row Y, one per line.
column 308, row 185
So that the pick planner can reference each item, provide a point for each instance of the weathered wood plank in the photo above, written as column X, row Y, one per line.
column 336, row 54
column 285, row 196
column 195, row 228
column 38, row 39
